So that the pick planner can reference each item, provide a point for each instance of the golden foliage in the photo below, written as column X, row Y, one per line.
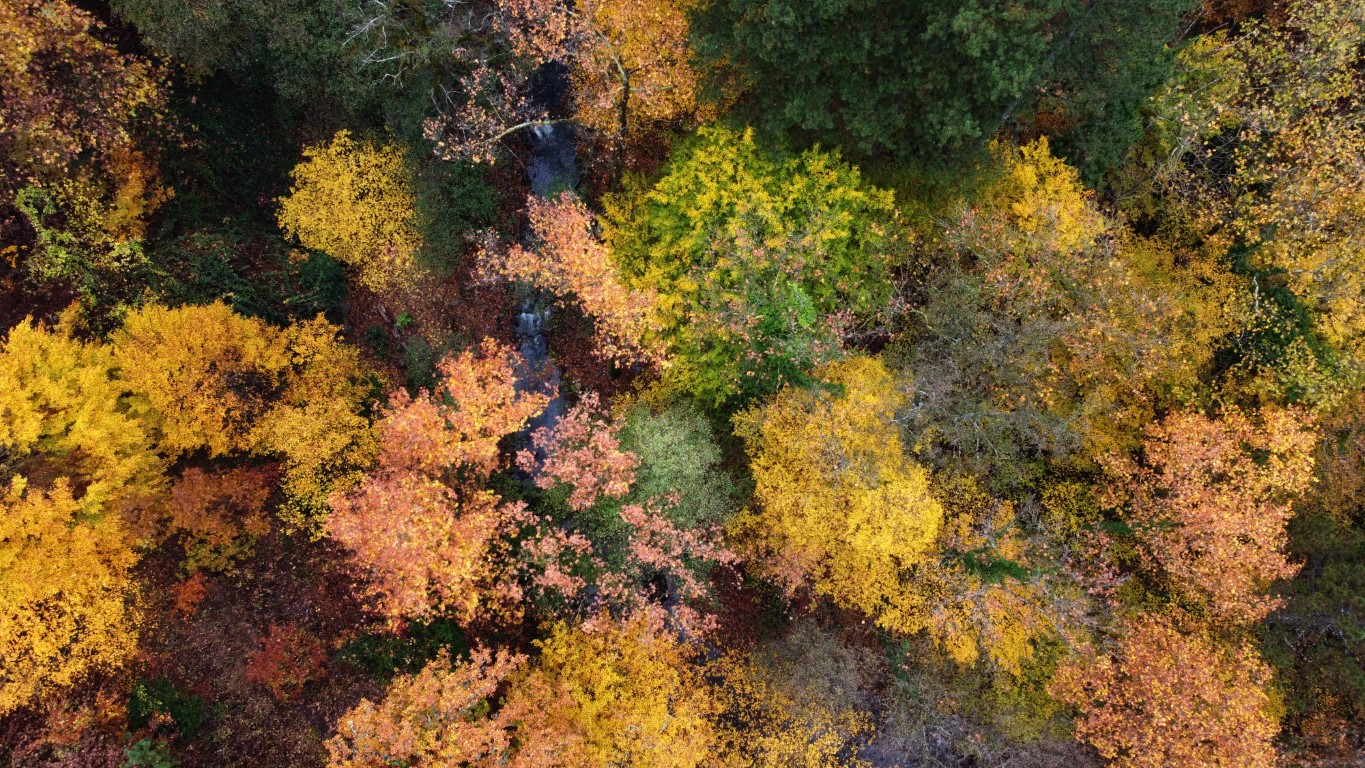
column 839, row 504
column 316, row 424
column 766, row 724
column 231, row 384
column 1044, row 196
column 984, row 599
column 65, row 412
column 353, row 201
column 64, row 592
column 1267, row 152
column 207, row 371
column 633, row 694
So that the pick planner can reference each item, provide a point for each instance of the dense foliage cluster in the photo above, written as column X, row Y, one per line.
column 682, row 383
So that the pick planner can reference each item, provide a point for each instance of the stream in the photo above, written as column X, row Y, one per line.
column 553, row 166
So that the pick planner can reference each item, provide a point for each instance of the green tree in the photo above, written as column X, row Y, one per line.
column 921, row 77
column 761, row 260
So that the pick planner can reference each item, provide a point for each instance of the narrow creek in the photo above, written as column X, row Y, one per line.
column 553, row 166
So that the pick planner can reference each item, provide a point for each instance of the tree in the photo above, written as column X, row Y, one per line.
column 438, row 717
column 66, row 592
column 317, row 424
column 298, row 49
column 760, row 260
column 64, row 412
column 766, row 724
column 420, row 525
column 234, row 385
column 630, row 61
column 634, row 695
column 1261, row 144
column 71, row 107
column 678, row 455
column 569, row 261
column 1172, row 699
column 1052, row 333
column 618, row 696
column 75, row 459
column 1211, row 500
column 220, row 514
column 839, row 506
column 581, row 452
column 627, row 547
column 353, row 201
column 947, row 75
column 288, row 659
column 990, row 594
column 1315, row 639
column 208, row 372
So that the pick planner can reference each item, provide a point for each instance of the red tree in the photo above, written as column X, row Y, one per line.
column 420, row 524
column 1172, row 700
column 572, row 263
column 1211, row 500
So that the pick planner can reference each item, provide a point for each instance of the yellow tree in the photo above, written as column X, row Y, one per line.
column 353, row 201
column 208, row 372
column 64, row 412
column 230, row 384
column 986, row 596
column 839, row 506
column 73, row 456
column 317, row 423
column 65, row 593
column 621, row 695
column 765, row 722
column 1265, row 138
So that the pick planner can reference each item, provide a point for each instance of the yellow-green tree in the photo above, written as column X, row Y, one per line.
column 1261, row 143
column 353, row 201
column 839, row 506
column 1051, row 331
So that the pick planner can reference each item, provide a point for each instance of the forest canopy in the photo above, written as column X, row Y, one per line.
column 682, row 383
